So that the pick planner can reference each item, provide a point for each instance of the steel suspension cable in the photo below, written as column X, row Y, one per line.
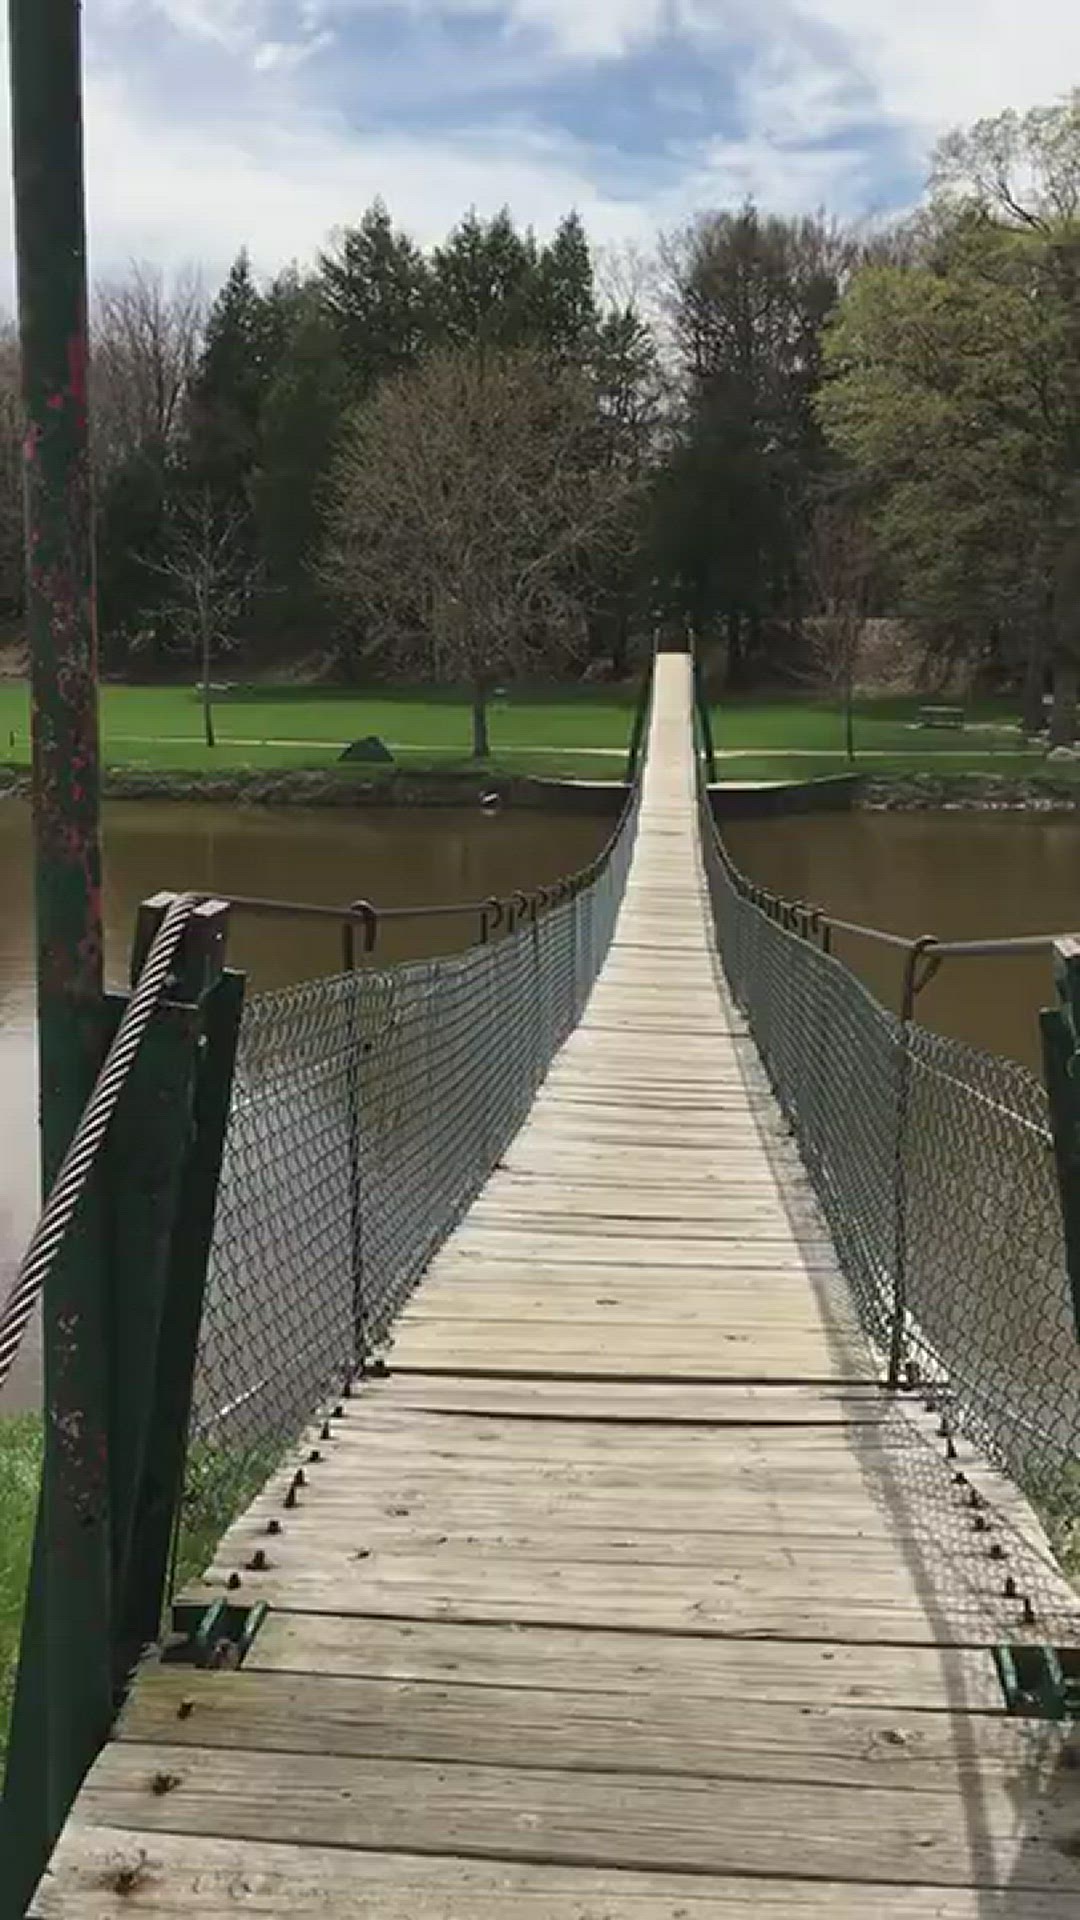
column 79, row 1161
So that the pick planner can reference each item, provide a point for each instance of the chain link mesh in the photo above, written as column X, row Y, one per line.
column 935, row 1168
column 368, row 1111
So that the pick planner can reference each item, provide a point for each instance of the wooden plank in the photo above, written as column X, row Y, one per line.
column 734, row 1212
column 654, row 1249
column 107, row 1874
column 638, row 1821
column 630, row 1732
column 809, row 1674
column 647, row 1598
column 612, row 1401
column 452, row 1346
column 662, row 1452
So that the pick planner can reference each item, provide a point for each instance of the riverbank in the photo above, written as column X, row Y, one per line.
column 770, row 790
column 552, row 746
column 1041, row 792
column 347, row 787
column 1038, row 792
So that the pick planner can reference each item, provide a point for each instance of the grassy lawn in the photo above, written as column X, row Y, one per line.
column 579, row 732
column 803, row 739
column 569, row 732
column 20, row 1471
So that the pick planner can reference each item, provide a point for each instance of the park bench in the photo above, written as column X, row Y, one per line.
column 941, row 717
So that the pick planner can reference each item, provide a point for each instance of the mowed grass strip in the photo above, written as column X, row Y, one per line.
column 161, row 727
column 570, row 732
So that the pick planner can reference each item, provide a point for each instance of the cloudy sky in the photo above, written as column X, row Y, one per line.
column 215, row 123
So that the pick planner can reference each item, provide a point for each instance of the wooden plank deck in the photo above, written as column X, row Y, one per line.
column 628, row 1595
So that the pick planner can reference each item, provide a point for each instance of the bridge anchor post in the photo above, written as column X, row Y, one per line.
column 1060, row 1028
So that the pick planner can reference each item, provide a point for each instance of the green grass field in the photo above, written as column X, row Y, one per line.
column 582, row 732
column 569, row 732
column 803, row 739
column 20, row 1472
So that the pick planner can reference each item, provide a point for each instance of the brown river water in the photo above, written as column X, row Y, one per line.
column 392, row 856
column 958, row 875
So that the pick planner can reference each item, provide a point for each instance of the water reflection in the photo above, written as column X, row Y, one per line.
column 957, row 875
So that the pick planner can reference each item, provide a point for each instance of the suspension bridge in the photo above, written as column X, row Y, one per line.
column 612, row 1581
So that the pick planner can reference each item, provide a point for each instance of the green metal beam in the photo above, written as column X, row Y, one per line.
column 51, row 241
column 65, row 1680
column 1060, row 1026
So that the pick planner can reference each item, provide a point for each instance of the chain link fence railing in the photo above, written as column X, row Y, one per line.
column 368, row 1111
column 934, row 1165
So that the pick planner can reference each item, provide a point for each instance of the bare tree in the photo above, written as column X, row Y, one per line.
column 839, row 563
column 467, row 498
column 147, row 334
column 210, row 576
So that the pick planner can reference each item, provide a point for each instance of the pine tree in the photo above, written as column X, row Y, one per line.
column 566, row 317
column 299, row 419
column 486, row 284
column 377, row 292
column 244, row 334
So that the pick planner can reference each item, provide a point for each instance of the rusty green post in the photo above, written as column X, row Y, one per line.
column 51, row 240
column 704, row 719
column 1061, row 1065
column 65, row 1684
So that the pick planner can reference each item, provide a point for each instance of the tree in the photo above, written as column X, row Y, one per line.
column 933, row 401
column 624, row 365
column 244, row 333
column 209, row 579
column 299, row 419
column 839, row 563
column 955, row 391
column 484, row 284
column 748, row 296
column 377, row 290
column 565, row 318
column 1020, row 169
column 465, row 500
column 147, row 334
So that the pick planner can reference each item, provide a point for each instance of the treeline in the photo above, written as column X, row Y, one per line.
column 467, row 461
column 216, row 429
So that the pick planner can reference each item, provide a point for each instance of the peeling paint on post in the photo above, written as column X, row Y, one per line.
column 47, row 125
column 64, row 1684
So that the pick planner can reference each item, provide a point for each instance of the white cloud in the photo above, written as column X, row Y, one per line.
column 936, row 63
column 214, row 126
column 596, row 28
column 176, row 193
column 577, row 29
column 284, row 56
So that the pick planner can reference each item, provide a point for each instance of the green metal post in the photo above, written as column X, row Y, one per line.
column 898, row 1318
column 641, row 717
column 47, row 127
column 163, row 1164
column 1061, row 1061
column 705, row 719
column 152, row 1205
column 64, row 1683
